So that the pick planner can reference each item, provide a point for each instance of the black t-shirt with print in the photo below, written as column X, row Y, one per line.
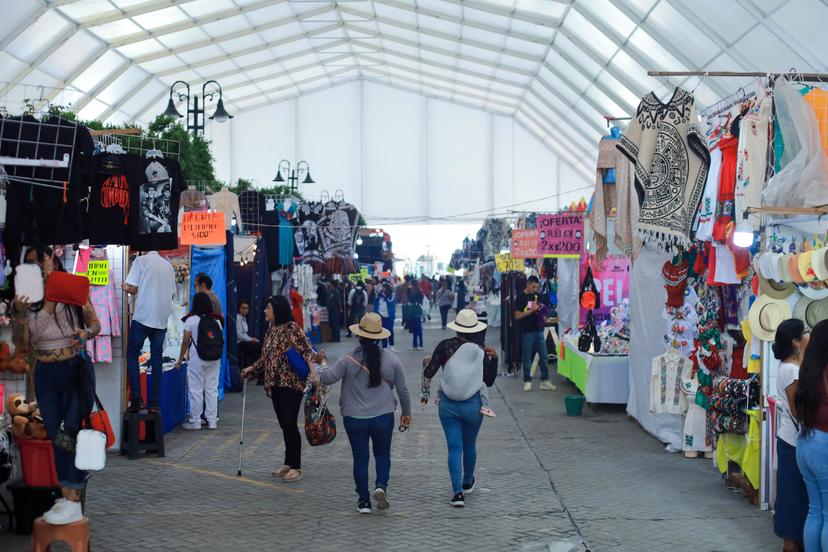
column 40, row 214
column 535, row 322
column 156, row 202
column 110, row 217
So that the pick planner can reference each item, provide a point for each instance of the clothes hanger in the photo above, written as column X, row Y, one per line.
column 116, row 149
column 154, row 152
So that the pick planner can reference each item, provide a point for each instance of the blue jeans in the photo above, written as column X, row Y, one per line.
column 461, row 423
column 62, row 400
column 532, row 343
column 379, row 431
column 138, row 333
column 388, row 324
column 416, row 327
column 444, row 310
column 812, row 457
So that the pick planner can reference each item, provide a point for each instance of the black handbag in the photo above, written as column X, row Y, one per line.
column 589, row 341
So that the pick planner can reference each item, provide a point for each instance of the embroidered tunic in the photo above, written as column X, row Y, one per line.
column 669, row 370
column 671, row 162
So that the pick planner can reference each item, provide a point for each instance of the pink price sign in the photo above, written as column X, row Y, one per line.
column 560, row 235
column 525, row 244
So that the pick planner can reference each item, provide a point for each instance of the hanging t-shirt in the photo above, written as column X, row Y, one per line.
column 307, row 235
column 116, row 178
column 39, row 214
column 269, row 229
column 338, row 229
column 156, row 200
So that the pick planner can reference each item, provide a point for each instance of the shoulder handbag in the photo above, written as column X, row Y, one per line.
column 320, row 424
column 297, row 363
column 99, row 421
column 589, row 297
column 589, row 341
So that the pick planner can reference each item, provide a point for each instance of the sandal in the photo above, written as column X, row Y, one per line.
column 293, row 476
column 281, row 471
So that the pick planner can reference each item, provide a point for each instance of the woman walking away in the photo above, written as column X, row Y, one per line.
column 444, row 298
column 282, row 385
column 811, row 409
column 202, row 323
column 415, row 323
column 386, row 306
column 791, row 497
column 64, row 382
column 467, row 366
column 369, row 377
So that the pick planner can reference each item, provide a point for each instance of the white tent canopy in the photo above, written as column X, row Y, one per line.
column 554, row 67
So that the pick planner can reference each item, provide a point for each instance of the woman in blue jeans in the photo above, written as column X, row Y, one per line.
column 64, row 383
column 466, row 365
column 369, row 377
column 811, row 408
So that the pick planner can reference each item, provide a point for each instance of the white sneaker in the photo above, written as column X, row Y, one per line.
column 381, row 499
column 212, row 425
column 527, row 386
column 548, row 386
column 54, row 510
column 191, row 425
column 64, row 514
column 392, row 349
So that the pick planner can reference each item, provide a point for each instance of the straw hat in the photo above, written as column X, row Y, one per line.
column 793, row 268
column 820, row 263
column 766, row 314
column 815, row 290
column 370, row 327
column 466, row 322
column 806, row 268
column 774, row 287
column 811, row 311
column 784, row 269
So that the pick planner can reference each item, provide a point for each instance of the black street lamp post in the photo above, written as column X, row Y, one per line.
column 197, row 111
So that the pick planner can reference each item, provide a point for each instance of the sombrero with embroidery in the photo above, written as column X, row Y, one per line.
column 466, row 322
column 370, row 326
column 766, row 313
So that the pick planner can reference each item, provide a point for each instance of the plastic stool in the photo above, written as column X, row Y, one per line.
column 131, row 445
column 76, row 535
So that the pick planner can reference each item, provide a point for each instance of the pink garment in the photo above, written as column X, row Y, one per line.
column 104, row 301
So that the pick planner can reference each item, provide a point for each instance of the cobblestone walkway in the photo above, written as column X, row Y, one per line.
column 543, row 479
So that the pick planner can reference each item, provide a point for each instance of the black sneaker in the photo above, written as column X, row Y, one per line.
column 364, row 507
column 381, row 498
column 153, row 408
column 458, row 500
column 136, row 406
column 469, row 487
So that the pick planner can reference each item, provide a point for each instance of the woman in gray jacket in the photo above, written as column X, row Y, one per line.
column 369, row 377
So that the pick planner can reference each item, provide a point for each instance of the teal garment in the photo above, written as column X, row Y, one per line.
column 286, row 243
column 778, row 141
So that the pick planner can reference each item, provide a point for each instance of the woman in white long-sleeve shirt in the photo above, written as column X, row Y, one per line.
column 250, row 349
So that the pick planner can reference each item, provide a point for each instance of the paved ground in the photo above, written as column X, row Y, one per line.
column 544, row 478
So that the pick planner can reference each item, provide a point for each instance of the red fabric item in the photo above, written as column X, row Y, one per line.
column 711, row 265
column 736, row 369
column 68, row 289
column 296, row 301
column 700, row 265
column 727, row 188
column 740, row 254
column 675, row 294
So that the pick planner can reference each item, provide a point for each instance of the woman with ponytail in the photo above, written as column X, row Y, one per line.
column 369, row 377
column 811, row 409
column 791, row 497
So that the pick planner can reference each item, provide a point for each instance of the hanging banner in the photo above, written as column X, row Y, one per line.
column 612, row 277
column 561, row 235
column 525, row 244
column 203, row 228
column 504, row 262
column 98, row 273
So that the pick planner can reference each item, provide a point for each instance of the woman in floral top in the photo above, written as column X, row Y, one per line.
column 282, row 384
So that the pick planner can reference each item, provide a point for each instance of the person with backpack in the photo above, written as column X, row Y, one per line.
column 370, row 376
column 357, row 300
column 203, row 341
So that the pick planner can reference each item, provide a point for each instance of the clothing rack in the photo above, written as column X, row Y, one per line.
column 39, row 152
column 132, row 141
column 793, row 74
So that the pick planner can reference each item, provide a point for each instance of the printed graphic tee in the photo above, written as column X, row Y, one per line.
column 156, row 205
column 116, row 176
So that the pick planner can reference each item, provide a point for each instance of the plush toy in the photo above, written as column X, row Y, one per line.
column 18, row 363
column 27, row 423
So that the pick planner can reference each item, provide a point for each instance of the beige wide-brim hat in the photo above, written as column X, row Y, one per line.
column 784, row 269
column 766, row 314
column 370, row 327
column 806, row 266
column 466, row 322
column 776, row 289
column 820, row 263
column 811, row 311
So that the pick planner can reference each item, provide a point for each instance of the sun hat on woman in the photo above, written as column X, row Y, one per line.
column 370, row 327
column 467, row 322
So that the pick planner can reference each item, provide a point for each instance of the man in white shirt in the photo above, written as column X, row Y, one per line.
column 151, row 279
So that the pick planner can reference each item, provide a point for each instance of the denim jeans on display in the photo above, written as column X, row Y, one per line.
column 461, row 423
column 61, row 399
column 379, row 431
column 138, row 333
column 532, row 343
column 812, row 457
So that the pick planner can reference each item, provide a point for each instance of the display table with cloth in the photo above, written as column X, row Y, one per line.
column 602, row 379
column 743, row 450
column 173, row 399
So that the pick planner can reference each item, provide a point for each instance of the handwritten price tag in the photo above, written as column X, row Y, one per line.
column 203, row 228
column 98, row 273
column 560, row 235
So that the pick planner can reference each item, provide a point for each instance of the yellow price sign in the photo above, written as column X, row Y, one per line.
column 98, row 273
column 505, row 262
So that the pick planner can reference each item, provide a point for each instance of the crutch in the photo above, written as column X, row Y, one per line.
column 241, row 438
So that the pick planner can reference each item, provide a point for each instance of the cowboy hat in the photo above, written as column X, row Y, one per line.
column 766, row 313
column 466, row 322
column 811, row 311
column 370, row 326
column 818, row 261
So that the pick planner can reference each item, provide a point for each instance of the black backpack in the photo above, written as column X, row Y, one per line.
column 210, row 343
column 359, row 299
